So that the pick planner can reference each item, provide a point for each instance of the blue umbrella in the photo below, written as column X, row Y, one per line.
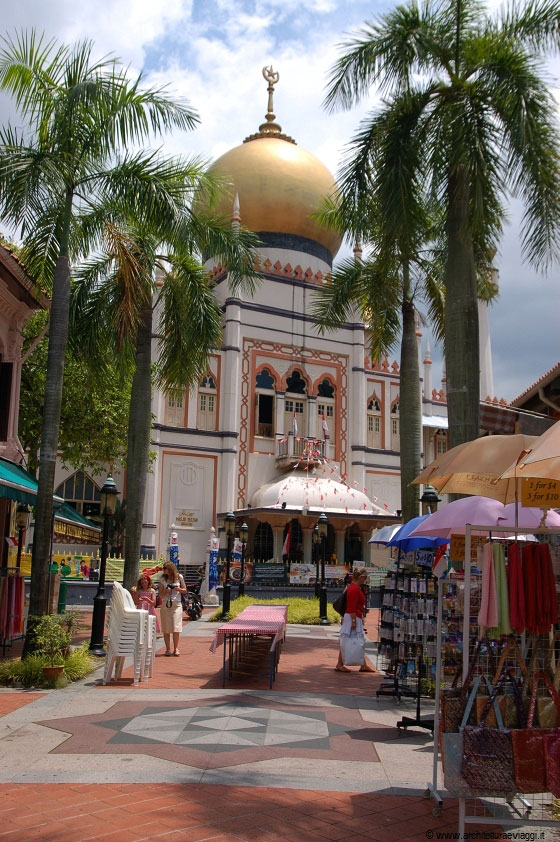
column 419, row 542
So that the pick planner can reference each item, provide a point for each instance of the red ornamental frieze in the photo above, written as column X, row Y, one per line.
column 299, row 355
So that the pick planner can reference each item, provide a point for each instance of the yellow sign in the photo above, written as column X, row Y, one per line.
column 80, row 533
column 185, row 518
column 457, row 551
column 540, row 493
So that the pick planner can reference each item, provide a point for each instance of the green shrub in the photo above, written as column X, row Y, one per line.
column 29, row 671
column 301, row 611
column 52, row 637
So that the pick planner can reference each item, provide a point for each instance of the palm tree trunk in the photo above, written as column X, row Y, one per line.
column 139, row 427
column 58, row 335
column 462, row 354
column 410, row 410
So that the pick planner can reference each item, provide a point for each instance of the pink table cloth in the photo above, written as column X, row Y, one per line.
column 254, row 620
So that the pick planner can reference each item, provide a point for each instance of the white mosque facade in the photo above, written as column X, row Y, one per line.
column 287, row 423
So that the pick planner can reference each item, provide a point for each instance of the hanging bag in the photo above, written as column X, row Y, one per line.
column 453, row 700
column 487, row 753
column 339, row 604
column 529, row 746
column 352, row 647
column 511, row 706
column 452, row 753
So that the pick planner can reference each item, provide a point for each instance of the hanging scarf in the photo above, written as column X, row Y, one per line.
column 488, row 614
column 533, row 588
column 501, row 588
column 516, row 590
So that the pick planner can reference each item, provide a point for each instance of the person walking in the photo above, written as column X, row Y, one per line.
column 353, row 618
column 171, row 586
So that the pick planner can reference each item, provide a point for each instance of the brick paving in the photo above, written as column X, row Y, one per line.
column 200, row 812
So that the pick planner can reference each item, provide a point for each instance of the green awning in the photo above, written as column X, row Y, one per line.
column 68, row 513
column 17, row 484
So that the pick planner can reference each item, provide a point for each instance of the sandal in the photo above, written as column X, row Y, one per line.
column 176, row 653
column 168, row 653
column 342, row 669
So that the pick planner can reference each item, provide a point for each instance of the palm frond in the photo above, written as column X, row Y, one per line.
column 189, row 325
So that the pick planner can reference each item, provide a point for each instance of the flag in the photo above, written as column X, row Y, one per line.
column 325, row 428
column 441, row 561
column 294, row 425
column 286, row 547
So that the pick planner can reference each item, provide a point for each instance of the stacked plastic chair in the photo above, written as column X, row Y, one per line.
column 128, row 633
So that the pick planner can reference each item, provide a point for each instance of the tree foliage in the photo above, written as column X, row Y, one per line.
column 94, row 411
column 466, row 117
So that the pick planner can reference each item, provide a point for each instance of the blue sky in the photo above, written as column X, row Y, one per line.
column 211, row 52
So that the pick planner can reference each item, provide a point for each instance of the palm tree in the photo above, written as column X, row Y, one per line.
column 474, row 106
column 80, row 114
column 385, row 289
column 156, row 273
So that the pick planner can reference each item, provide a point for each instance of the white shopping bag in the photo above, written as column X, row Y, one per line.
column 353, row 648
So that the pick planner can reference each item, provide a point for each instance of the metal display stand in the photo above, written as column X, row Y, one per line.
column 516, row 809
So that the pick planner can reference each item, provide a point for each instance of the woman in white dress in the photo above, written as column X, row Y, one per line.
column 171, row 586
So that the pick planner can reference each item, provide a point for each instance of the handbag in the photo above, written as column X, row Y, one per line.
column 487, row 753
column 511, row 706
column 452, row 750
column 453, row 699
column 339, row 604
column 352, row 648
column 529, row 745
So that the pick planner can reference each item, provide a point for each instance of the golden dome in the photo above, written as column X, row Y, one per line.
column 279, row 185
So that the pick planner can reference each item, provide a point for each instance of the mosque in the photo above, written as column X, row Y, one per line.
column 287, row 423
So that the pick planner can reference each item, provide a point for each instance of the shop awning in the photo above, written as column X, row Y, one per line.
column 17, row 484
column 70, row 525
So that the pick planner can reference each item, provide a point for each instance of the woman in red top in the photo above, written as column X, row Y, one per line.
column 353, row 618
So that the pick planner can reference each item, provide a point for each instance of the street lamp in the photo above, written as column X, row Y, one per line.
column 243, row 533
column 109, row 496
column 316, row 541
column 429, row 500
column 322, row 525
column 229, row 522
column 22, row 520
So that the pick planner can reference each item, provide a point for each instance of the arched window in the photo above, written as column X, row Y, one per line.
column 353, row 550
column 175, row 409
column 265, row 392
column 325, row 411
column 263, row 543
column 81, row 493
column 395, row 426
column 295, row 408
column 295, row 544
column 374, row 422
column 206, row 415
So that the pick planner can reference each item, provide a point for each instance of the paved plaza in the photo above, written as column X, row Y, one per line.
column 180, row 758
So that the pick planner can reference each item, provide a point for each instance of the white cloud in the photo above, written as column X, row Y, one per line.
column 211, row 52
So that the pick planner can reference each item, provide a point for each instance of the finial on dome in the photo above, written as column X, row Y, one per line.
column 270, row 128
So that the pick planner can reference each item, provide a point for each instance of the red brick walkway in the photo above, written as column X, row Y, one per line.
column 194, row 812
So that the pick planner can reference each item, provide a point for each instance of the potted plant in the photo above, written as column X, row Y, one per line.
column 52, row 639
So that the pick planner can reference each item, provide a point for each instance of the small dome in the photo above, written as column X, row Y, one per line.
column 316, row 492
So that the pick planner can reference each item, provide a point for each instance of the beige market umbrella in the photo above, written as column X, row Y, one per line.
column 476, row 467
column 542, row 460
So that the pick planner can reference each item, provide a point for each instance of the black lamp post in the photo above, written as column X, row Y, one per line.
column 229, row 521
column 316, row 542
column 22, row 520
column 322, row 524
column 429, row 500
column 109, row 495
column 243, row 533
